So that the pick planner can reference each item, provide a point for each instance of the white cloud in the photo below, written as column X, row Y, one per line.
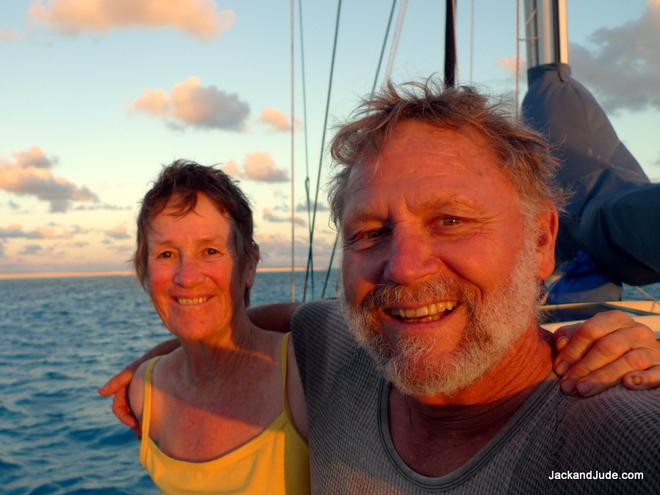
column 200, row 18
column 191, row 104
column 623, row 68
column 260, row 166
column 30, row 174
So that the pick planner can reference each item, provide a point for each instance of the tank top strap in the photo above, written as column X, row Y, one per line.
column 284, row 355
column 146, row 404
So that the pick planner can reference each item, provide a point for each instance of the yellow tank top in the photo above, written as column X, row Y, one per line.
column 274, row 462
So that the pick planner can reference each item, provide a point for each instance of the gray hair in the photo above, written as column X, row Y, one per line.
column 525, row 156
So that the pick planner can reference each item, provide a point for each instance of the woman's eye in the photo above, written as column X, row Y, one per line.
column 165, row 255
column 212, row 251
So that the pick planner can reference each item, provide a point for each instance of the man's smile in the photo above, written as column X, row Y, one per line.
column 422, row 314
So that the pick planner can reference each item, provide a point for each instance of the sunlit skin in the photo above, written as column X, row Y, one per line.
column 193, row 277
column 200, row 406
column 435, row 203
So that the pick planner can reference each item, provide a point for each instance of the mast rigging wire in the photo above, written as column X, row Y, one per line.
column 293, row 170
column 307, row 181
column 373, row 91
column 325, row 126
column 450, row 44
column 395, row 39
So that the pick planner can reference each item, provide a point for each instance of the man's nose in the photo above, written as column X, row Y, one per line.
column 411, row 258
column 189, row 272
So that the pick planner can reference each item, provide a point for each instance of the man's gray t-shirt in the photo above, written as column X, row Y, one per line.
column 351, row 451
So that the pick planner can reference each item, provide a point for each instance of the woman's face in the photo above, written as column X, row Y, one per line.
column 193, row 276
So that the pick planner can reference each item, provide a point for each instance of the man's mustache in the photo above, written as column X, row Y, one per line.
column 394, row 295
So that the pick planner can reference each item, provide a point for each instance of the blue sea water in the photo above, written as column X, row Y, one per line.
column 61, row 339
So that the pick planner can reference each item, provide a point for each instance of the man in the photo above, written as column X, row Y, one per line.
column 448, row 215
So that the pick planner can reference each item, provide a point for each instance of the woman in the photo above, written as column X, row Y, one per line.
column 201, row 431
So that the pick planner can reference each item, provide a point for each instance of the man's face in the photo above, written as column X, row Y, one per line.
column 440, row 266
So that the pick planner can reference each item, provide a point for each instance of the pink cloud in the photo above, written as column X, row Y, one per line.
column 30, row 174
column 509, row 64
column 271, row 216
column 191, row 104
column 232, row 168
column 260, row 166
column 119, row 232
column 275, row 118
column 10, row 35
column 200, row 18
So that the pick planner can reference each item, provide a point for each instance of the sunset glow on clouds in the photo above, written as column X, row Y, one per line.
column 30, row 174
column 191, row 104
column 275, row 118
column 258, row 166
column 200, row 18
column 111, row 89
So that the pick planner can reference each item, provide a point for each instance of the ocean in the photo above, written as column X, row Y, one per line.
column 61, row 339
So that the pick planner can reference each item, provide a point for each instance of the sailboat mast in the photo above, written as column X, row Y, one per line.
column 546, row 30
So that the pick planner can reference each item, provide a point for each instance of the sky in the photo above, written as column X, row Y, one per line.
column 97, row 95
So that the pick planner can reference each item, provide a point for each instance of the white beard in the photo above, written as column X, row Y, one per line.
column 493, row 326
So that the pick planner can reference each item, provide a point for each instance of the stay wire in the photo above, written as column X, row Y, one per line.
column 373, row 91
column 325, row 127
column 307, row 181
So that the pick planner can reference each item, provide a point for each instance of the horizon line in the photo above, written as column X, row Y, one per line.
column 117, row 273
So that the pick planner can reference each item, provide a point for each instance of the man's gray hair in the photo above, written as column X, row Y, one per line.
column 525, row 156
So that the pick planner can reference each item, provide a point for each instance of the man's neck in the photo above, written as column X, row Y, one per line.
column 437, row 434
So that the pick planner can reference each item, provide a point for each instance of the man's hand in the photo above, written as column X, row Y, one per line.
column 118, row 385
column 604, row 350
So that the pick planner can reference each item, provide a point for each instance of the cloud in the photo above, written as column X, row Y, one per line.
column 270, row 216
column 17, row 232
column 191, row 104
column 199, row 18
column 623, row 69
column 509, row 65
column 319, row 206
column 100, row 206
column 232, row 168
column 29, row 174
column 276, row 250
column 260, row 166
column 10, row 35
column 117, row 233
column 31, row 249
column 275, row 118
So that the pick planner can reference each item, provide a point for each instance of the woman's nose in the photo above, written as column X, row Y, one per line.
column 189, row 273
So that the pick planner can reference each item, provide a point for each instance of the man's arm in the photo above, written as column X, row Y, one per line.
column 275, row 317
column 118, row 384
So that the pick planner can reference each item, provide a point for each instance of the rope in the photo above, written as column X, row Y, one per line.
column 373, row 90
column 325, row 127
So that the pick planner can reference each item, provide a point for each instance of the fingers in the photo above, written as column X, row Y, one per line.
column 643, row 380
column 609, row 375
column 117, row 382
column 121, row 409
column 586, row 334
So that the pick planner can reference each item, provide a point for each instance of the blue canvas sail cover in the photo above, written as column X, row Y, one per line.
column 612, row 219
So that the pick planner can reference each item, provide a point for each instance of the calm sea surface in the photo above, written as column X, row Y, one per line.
column 61, row 339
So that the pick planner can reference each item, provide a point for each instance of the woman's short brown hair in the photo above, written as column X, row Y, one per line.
column 185, row 180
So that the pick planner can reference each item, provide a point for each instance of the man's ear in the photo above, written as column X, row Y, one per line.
column 547, row 226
